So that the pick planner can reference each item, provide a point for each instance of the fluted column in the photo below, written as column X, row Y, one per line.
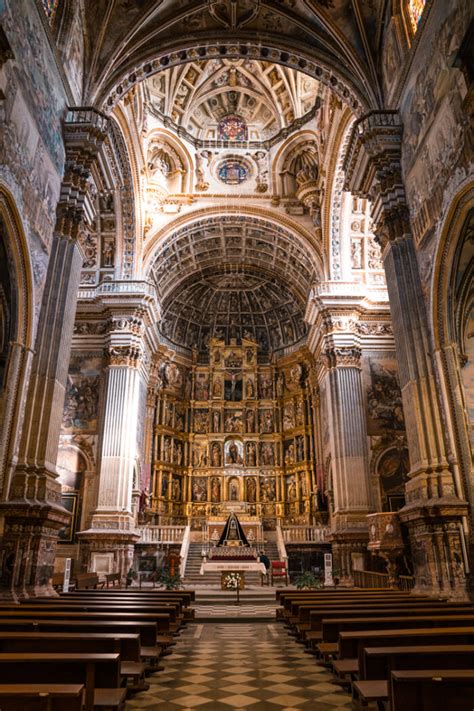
column 435, row 501
column 349, row 454
column 108, row 543
column 33, row 513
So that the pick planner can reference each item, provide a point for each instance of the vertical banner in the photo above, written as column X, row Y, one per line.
column 328, row 581
column 67, row 575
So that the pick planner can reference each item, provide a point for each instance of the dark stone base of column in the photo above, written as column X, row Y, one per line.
column 28, row 548
column 438, row 546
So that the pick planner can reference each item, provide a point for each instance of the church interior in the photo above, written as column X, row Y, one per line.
column 236, row 354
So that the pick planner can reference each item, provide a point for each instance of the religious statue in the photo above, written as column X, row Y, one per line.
column 202, row 164
column 233, row 454
column 291, row 490
column 215, row 489
column 251, row 454
column 290, row 454
column 266, row 421
column 280, row 384
column 233, row 491
column 288, row 416
column 299, row 448
column 176, row 489
column 178, row 453
column 250, row 420
column 217, row 388
column 268, row 454
column 299, row 413
column 251, row 489
column 216, row 455
column 199, row 490
column 266, row 387
column 167, row 453
column 108, row 254
column 216, row 421
column 250, row 388
column 164, row 485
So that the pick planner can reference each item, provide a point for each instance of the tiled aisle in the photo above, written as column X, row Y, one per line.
column 224, row 666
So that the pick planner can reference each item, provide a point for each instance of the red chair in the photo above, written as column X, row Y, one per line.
column 279, row 570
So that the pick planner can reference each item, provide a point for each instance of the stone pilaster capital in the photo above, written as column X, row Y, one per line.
column 373, row 170
column 342, row 357
column 129, row 355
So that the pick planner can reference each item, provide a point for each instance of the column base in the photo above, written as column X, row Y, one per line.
column 349, row 538
column 28, row 548
column 107, row 550
column 436, row 539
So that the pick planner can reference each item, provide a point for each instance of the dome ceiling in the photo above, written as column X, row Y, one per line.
column 227, row 306
column 198, row 95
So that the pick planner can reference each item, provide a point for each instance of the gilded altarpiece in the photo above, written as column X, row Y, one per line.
column 234, row 434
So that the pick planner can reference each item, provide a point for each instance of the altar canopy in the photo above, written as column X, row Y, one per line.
column 233, row 533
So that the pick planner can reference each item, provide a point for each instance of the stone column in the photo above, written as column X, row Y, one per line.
column 435, row 501
column 32, row 514
column 348, row 433
column 108, row 544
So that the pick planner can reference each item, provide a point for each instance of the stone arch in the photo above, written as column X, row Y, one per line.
column 303, row 236
column 290, row 154
column 453, row 331
column 354, row 91
column 19, row 343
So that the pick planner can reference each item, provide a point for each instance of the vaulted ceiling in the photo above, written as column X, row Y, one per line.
column 197, row 95
column 338, row 40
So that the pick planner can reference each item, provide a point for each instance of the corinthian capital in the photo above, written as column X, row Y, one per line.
column 342, row 357
column 128, row 355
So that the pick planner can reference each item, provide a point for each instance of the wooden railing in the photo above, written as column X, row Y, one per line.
column 371, row 579
column 161, row 534
column 305, row 534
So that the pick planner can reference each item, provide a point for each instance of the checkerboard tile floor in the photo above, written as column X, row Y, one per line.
column 220, row 667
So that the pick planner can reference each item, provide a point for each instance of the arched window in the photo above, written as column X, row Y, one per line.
column 415, row 11
column 232, row 128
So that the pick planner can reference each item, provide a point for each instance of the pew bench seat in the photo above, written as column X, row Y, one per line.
column 41, row 697
column 369, row 692
column 343, row 668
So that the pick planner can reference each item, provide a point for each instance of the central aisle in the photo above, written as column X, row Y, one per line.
column 239, row 665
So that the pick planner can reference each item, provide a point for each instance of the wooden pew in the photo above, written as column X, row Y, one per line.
column 143, row 592
column 379, row 662
column 162, row 621
column 100, row 674
column 432, row 689
column 127, row 645
column 169, row 608
column 84, row 581
column 309, row 617
column 331, row 628
column 111, row 579
column 41, row 697
column 352, row 643
column 146, row 630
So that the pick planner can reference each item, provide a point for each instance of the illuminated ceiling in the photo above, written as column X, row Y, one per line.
column 197, row 95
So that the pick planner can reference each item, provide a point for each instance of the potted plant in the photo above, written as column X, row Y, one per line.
column 170, row 581
column 131, row 576
column 336, row 576
column 308, row 581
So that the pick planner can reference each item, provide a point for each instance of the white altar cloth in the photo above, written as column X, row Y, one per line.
column 239, row 566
